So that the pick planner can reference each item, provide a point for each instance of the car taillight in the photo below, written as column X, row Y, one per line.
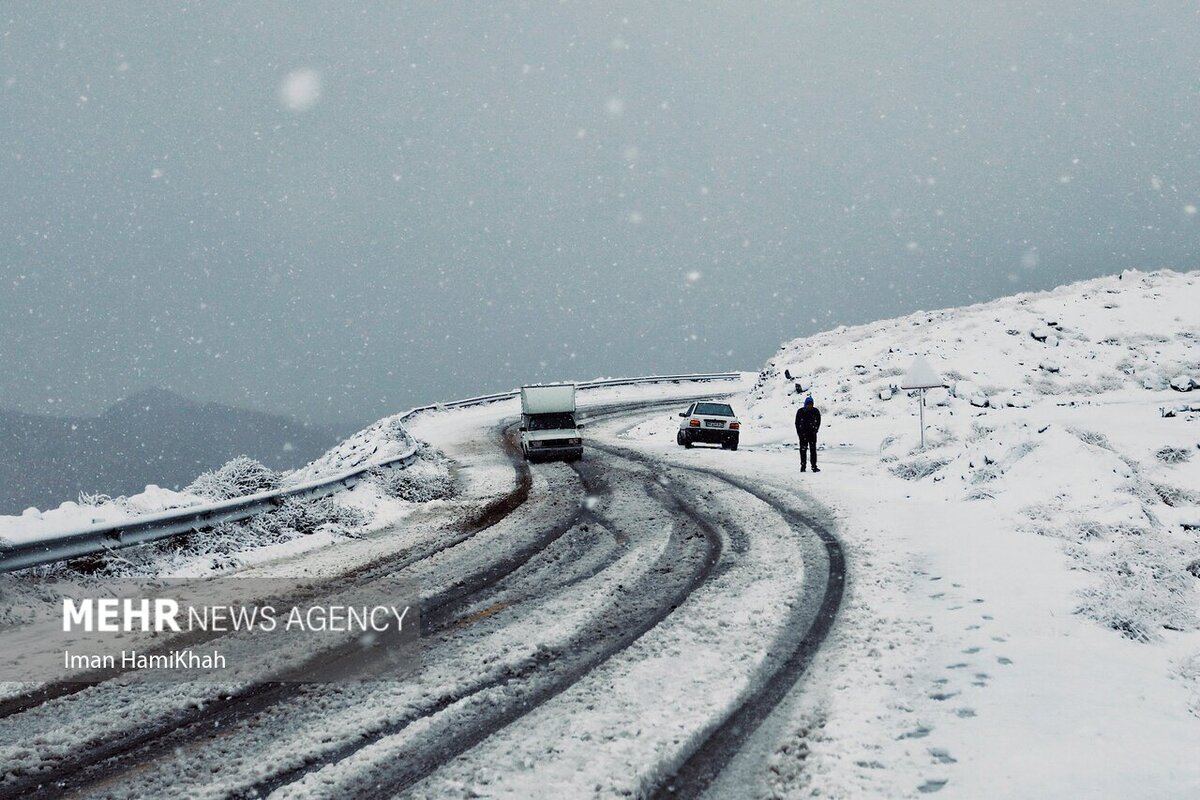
column 735, row 426
column 694, row 423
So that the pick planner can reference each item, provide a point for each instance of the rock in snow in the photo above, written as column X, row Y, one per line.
column 1184, row 383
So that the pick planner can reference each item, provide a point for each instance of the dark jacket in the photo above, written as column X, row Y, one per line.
column 808, row 420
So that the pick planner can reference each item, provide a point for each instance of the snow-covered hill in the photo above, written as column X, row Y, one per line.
column 1077, row 342
column 1024, row 599
column 1059, row 408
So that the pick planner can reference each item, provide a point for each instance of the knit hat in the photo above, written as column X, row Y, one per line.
column 808, row 401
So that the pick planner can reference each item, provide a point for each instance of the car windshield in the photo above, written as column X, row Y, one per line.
column 714, row 409
column 551, row 422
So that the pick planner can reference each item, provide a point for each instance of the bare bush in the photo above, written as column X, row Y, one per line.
column 240, row 477
column 304, row 517
column 1094, row 529
column 93, row 499
column 979, row 432
column 918, row 468
column 1146, row 588
column 1173, row 455
column 1104, row 383
column 1093, row 438
column 425, row 479
column 1175, row 497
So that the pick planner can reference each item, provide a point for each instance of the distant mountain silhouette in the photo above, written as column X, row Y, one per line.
column 152, row 437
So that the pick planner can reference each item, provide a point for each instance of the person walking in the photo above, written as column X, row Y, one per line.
column 808, row 421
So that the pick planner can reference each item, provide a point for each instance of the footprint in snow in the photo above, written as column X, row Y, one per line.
column 942, row 756
column 920, row 732
column 930, row 786
column 1003, row 660
column 937, row 596
column 959, row 665
column 972, row 650
column 965, row 713
column 940, row 696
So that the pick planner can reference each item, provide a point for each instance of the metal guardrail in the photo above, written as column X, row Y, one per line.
column 147, row 528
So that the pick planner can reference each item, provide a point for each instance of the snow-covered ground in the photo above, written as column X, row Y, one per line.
column 1022, row 604
column 1021, row 616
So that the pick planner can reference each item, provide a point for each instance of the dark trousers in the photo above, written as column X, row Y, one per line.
column 808, row 449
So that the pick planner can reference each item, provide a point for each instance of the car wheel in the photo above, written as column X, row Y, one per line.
column 679, row 438
column 687, row 441
column 733, row 445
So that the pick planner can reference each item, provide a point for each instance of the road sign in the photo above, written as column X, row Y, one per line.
column 921, row 375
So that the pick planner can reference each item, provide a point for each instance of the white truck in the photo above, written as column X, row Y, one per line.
column 548, row 428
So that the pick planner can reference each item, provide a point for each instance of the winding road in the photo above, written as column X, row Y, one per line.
column 616, row 626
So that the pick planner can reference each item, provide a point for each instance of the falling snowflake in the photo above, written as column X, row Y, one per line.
column 300, row 90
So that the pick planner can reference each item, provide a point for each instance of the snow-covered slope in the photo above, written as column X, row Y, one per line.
column 1059, row 409
column 1023, row 611
column 1077, row 342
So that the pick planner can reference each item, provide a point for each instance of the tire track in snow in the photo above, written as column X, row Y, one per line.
column 105, row 761
column 697, row 772
column 491, row 514
column 692, row 552
column 101, row 760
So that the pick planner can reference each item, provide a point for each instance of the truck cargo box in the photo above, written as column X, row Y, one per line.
column 554, row 399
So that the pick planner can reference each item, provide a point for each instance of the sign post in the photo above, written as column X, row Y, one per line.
column 921, row 376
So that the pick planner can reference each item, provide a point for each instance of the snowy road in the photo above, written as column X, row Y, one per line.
column 617, row 626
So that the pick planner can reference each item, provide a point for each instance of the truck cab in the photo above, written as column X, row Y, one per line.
column 548, row 427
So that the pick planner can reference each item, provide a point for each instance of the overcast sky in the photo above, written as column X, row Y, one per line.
column 340, row 212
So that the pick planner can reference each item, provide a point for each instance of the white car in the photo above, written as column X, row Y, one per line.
column 709, row 421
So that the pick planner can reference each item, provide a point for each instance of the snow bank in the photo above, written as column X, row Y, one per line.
column 1051, row 413
column 35, row 524
column 1060, row 481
